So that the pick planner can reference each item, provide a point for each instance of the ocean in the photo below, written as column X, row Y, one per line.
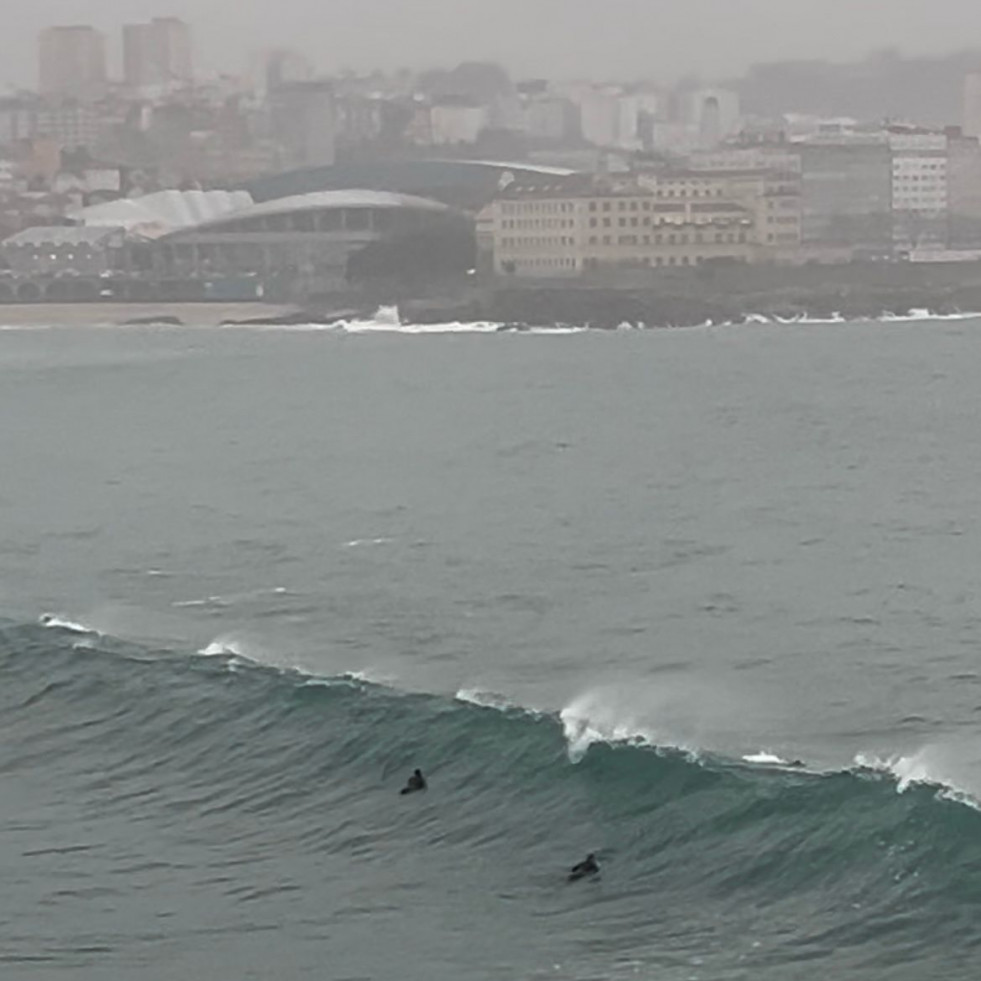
column 703, row 602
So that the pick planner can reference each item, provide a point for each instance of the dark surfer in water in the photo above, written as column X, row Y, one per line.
column 415, row 783
column 585, row 869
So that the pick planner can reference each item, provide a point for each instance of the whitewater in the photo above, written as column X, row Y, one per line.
column 703, row 602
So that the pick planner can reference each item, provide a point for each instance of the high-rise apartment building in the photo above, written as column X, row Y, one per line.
column 304, row 121
column 158, row 54
column 972, row 105
column 72, row 62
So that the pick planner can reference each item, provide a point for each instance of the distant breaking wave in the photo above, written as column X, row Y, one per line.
column 387, row 320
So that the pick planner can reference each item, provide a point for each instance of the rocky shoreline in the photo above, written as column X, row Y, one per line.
column 724, row 296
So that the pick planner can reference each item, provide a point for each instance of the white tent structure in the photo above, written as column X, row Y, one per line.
column 163, row 212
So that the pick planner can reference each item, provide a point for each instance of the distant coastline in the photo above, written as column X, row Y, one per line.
column 206, row 315
column 728, row 295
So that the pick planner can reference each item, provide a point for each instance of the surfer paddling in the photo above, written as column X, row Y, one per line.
column 415, row 783
column 585, row 869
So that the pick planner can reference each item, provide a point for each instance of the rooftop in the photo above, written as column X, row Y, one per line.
column 574, row 186
column 352, row 198
column 55, row 235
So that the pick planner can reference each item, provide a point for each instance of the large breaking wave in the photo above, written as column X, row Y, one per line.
column 882, row 853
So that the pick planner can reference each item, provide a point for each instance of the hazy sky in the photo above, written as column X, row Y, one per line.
column 615, row 38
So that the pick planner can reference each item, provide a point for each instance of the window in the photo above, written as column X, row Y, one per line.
column 592, row 223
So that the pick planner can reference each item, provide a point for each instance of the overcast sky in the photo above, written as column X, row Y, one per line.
column 616, row 38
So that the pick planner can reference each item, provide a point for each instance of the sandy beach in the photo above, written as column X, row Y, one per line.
column 110, row 314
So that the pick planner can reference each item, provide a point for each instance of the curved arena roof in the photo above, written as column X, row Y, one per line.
column 458, row 181
column 324, row 201
column 348, row 198
column 318, row 201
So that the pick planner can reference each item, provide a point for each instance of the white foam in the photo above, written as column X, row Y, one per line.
column 486, row 699
column 383, row 326
column 922, row 314
column 387, row 319
column 224, row 647
column 765, row 758
column 359, row 542
column 835, row 318
column 943, row 767
column 56, row 622
column 600, row 716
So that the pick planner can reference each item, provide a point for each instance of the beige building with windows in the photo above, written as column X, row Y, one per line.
column 772, row 196
column 581, row 224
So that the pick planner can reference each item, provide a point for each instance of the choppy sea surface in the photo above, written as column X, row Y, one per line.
column 705, row 602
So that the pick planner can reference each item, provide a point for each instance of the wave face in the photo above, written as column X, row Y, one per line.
column 185, row 811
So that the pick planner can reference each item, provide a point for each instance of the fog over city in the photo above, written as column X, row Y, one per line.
column 616, row 38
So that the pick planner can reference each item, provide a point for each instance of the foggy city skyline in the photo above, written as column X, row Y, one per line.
column 569, row 38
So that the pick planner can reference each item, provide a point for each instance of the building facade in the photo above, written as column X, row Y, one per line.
column 70, row 124
column 18, row 120
column 972, row 105
column 303, row 117
column 846, row 194
column 919, row 188
column 59, row 250
column 771, row 197
column 158, row 55
column 72, row 62
column 963, row 191
column 577, row 225
column 456, row 122
column 713, row 115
